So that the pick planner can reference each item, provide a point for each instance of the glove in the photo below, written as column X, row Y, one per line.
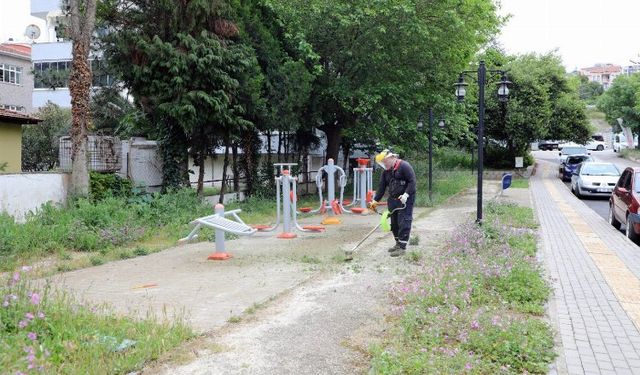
column 373, row 205
column 403, row 198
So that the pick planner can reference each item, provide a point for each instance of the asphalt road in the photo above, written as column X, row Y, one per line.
column 599, row 205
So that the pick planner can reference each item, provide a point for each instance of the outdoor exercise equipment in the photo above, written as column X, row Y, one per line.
column 286, row 190
column 332, row 206
column 362, row 187
column 221, row 224
column 384, row 223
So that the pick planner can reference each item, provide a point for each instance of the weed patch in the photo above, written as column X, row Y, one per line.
column 474, row 307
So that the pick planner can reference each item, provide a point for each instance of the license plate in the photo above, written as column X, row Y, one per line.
column 604, row 190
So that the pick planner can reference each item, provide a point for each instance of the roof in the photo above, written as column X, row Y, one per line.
column 17, row 117
column 603, row 69
column 17, row 50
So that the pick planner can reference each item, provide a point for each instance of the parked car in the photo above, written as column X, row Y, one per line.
column 624, row 203
column 572, row 150
column 569, row 166
column 596, row 145
column 620, row 142
column 594, row 179
column 548, row 145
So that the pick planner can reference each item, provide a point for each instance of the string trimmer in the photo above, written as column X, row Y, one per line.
column 384, row 221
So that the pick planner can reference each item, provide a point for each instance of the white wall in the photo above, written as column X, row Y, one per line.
column 21, row 193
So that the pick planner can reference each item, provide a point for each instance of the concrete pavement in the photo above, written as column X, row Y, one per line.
column 595, row 274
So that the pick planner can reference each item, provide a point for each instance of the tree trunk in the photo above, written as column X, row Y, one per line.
column 346, row 150
column 279, row 146
column 200, row 188
column 249, row 162
column 269, row 150
column 334, row 138
column 224, row 169
column 235, row 168
column 81, row 27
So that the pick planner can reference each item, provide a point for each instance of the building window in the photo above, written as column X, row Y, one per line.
column 51, row 75
column 16, row 108
column 10, row 74
column 55, row 74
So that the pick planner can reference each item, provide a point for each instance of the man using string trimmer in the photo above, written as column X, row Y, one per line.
column 400, row 179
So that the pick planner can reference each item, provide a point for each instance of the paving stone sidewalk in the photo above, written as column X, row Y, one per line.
column 596, row 335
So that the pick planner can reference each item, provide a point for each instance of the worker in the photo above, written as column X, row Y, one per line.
column 400, row 180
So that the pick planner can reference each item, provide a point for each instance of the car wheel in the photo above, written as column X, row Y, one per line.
column 600, row 148
column 630, row 232
column 612, row 219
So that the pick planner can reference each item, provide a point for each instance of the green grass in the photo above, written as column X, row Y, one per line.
column 59, row 335
column 475, row 306
column 209, row 191
column 520, row 183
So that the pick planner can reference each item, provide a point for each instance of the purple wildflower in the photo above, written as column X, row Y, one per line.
column 35, row 298
column 32, row 336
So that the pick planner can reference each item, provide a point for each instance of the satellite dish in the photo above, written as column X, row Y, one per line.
column 32, row 32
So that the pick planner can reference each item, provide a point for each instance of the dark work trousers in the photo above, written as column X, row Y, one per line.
column 401, row 221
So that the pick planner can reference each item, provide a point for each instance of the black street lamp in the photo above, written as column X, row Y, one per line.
column 441, row 125
column 503, row 96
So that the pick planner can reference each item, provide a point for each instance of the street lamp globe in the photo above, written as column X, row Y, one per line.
column 441, row 124
column 461, row 88
column 503, row 89
column 420, row 122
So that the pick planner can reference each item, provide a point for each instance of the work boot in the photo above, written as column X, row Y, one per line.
column 394, row 248
column 398, row 252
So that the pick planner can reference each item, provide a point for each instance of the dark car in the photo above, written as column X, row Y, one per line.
column 569, row 166
column 624, row 203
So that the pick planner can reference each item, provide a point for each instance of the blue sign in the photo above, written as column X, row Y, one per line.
column 506, row 181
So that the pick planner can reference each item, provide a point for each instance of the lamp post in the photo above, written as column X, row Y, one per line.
column 441, row 125
column 503, row 95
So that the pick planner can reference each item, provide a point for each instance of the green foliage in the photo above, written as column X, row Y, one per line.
column 622, row 100
column 406, row 44
column 3, row 166
column 542, row 104
column 53, row 333
column 103, row 225
column 40, row 143
column 102, row 185
column 472, row 307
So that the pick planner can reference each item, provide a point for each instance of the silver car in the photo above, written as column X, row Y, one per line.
column 594, row 179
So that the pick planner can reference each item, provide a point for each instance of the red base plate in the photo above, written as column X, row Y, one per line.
column 315, row 228
column 219, row 256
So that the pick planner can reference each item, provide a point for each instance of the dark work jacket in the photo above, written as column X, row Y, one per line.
column 398, row 180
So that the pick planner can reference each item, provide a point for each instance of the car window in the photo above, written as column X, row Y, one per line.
column 600, row 170
column 574, row 150
column 577, row 159
column 627, row 182
column 623, row 179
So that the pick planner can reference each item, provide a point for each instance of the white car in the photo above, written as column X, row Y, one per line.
column 620, row 142
column 572, row 150
column 592, row 145
column 594, row 179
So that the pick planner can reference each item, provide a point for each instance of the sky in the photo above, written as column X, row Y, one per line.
column 585, row 32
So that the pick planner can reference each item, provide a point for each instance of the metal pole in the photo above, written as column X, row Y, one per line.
column 482, row 74
column 219, row 210
column 430, row 152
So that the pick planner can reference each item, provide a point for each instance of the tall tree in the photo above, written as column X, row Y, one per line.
column 383, row 62
column 82, row 16
column 622, row 100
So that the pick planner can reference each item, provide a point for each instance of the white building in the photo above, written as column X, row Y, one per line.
column 604, row 74
column 52, row 59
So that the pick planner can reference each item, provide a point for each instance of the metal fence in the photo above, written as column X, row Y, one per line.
column 104, row 153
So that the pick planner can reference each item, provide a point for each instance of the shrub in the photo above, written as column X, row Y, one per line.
column 102, row 185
